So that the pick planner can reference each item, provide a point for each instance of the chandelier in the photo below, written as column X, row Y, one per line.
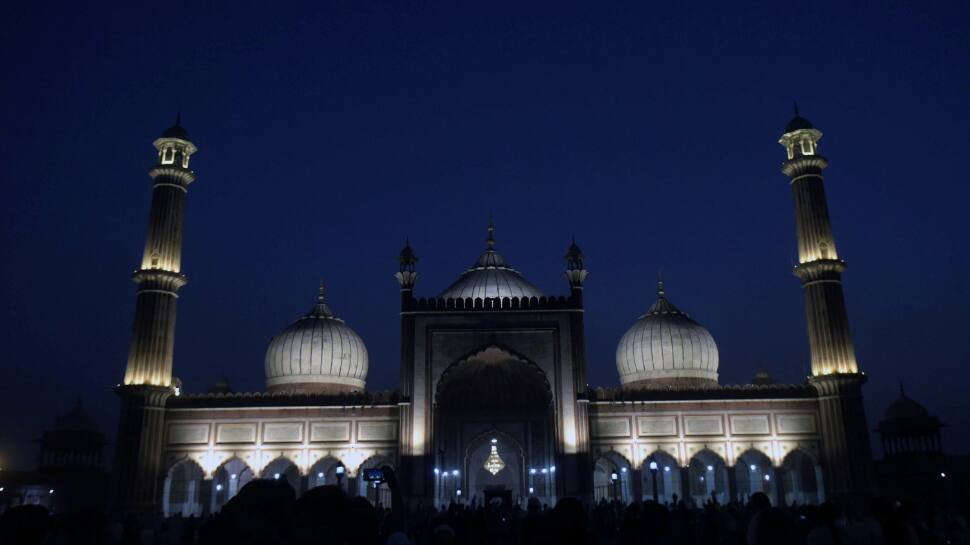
column 494, row 463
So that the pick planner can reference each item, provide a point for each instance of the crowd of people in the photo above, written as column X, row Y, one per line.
column 267, row 512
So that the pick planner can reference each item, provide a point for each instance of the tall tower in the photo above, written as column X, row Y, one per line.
column 835, row 373
column 148, row 376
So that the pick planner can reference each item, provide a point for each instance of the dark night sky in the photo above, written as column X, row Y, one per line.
column 328, row 134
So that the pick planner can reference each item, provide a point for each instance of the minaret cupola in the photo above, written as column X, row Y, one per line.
column 174, row 146
column 801, row 137
column 406, row 274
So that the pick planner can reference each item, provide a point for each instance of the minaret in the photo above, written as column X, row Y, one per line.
column 407, row 276
column 835, row 373
column 148, row 377
column 576, row 274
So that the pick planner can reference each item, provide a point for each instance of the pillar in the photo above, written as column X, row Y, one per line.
column 846, row 453
column 148, row 381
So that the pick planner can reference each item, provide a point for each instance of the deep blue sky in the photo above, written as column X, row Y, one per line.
column 329, row 133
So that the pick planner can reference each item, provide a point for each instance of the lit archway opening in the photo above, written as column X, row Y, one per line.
column 611, row 478
column 379, row 494
column 707, row 476
column 667, row 475
column 282, row 469
column 182, row 494
column 227, row 480
column 753, row 473
column 325, row 473
column 802, row 479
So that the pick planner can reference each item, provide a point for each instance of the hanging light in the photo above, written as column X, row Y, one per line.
column 494, row 462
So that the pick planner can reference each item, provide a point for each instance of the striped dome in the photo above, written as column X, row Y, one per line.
column 318, row 353
column 665, row 348
column 490, row 276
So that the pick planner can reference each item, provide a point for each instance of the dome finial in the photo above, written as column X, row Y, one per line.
column 794, row 103
column 178, row 119
column 321, row 309
column 902, row 391
column 490, row 241
column 661, row 293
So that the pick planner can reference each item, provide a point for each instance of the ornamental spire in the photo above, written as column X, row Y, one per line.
column 321, row 308
column 490, row 241
column 661, row 293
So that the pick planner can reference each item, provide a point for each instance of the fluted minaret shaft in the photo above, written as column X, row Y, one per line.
column 137, row 468
column 159, row 278
column 819, row 266
column 846, row 455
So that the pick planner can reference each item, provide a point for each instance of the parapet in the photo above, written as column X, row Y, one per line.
column 491, row 304
column 713, row 392
column 284, row 399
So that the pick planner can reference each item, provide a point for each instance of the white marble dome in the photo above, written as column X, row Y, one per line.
column 666, row 349
column 490, row 276
column 318, row 353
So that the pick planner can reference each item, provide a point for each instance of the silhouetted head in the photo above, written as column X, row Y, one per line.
column 442, row 535
column 362, row 522
column 321, row 516
column 569, row 521
column 773, row 528
column 24, row 524
column 759, row 501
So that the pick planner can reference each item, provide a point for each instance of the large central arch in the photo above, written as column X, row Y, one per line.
column 493, row 379
column 493, row 397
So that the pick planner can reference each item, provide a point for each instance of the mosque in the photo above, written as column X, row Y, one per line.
column 493, row 402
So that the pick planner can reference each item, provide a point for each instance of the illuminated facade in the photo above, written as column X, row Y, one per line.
column 493, row 400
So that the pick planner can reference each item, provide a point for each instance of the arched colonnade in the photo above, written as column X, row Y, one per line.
column 189, row 491
column 796, row 480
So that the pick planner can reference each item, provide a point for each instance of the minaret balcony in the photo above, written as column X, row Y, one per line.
column 172, row 174
column 820, row 269
column 804, row 164
column 159, row 280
